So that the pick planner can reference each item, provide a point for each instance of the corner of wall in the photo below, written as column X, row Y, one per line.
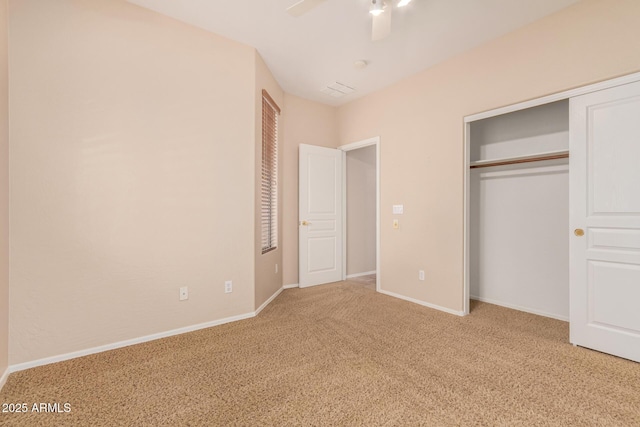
column 307, row 122
column 163, row 176
column 268, row 267
column 4, row 195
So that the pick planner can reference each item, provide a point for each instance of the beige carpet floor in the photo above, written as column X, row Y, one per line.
column 368, row 281
column 341, row 354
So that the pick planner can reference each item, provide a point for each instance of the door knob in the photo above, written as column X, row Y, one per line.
column 578, row 232
column 305, row 223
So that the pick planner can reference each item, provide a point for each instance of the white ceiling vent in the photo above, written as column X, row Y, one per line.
column 337, row 90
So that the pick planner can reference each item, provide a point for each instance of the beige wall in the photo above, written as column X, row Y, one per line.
column 133, row 141
column 305, row 122
column 4, row 193
column 361, row 210
column 267, row 280
column 420, row 122
column 132, row 157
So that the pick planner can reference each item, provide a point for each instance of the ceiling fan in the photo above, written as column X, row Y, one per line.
column 380, row 11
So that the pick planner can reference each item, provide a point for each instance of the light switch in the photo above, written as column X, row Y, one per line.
column 398, row 209
column 396, row 224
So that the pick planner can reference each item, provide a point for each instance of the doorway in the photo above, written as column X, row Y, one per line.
column 361, row 212
column 322, row 201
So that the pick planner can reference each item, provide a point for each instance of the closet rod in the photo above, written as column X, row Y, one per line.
column 516, row 161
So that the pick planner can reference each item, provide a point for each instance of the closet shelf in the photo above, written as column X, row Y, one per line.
column 538, row 157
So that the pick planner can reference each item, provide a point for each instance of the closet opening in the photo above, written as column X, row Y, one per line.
column 518, row 210
column 542, row 234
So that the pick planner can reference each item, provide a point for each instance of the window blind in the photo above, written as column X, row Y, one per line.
column 269, row 184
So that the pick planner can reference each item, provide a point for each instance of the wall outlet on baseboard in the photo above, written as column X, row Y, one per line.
column 184, row 293
column 228, row 286
column 420, row 274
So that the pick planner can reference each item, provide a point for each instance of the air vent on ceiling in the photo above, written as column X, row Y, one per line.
column 337, row 90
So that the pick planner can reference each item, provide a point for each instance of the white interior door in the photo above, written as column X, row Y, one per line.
column 320, row 215
column 605, row 221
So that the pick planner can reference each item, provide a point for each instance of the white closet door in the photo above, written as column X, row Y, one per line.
column 605, row 206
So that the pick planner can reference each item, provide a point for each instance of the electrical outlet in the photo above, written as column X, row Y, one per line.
column 421, row 275
column 184, row 293
column 396, row 224
column 228, row 286
column 276, row 268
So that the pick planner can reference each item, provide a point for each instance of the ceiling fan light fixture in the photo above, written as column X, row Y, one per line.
column 402, row 3
column 377, row 7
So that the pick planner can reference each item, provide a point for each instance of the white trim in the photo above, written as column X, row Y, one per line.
column 126, row 343
column 354, row 146
column 422, row 303
column 266, row 303
column 607, row 84
column 466, row 218
column 378, row 221
column 294, row 285
column 366, row 273
column 360, row 144
column 630, row 78
column 3, row 378
column 140, row 340
column 344, row 215
column 520, row 308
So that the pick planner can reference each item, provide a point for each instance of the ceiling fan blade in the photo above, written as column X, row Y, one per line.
column 302, row 7
column 381, row 25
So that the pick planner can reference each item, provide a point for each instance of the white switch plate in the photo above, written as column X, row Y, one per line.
column 184, row 293
column 398, row 209
column 421, row 275
column 228, row 286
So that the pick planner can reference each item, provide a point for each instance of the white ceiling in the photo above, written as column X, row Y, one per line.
column 306, row 54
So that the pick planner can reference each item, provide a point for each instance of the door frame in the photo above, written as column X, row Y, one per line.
column 467, row 120
column 346, row 148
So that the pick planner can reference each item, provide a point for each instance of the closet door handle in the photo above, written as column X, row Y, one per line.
column 578, row 232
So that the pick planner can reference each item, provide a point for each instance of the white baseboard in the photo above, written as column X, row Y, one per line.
column 295, row 285
column 425, row 304
column 140, row 340
column 366, row 273
column 266, row 303
column 126, row 343
column 3, row 378
column 520, row 308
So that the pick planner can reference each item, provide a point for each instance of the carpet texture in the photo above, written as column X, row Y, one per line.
column 341, row 354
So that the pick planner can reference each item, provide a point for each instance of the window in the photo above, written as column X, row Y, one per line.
column 269, row 182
